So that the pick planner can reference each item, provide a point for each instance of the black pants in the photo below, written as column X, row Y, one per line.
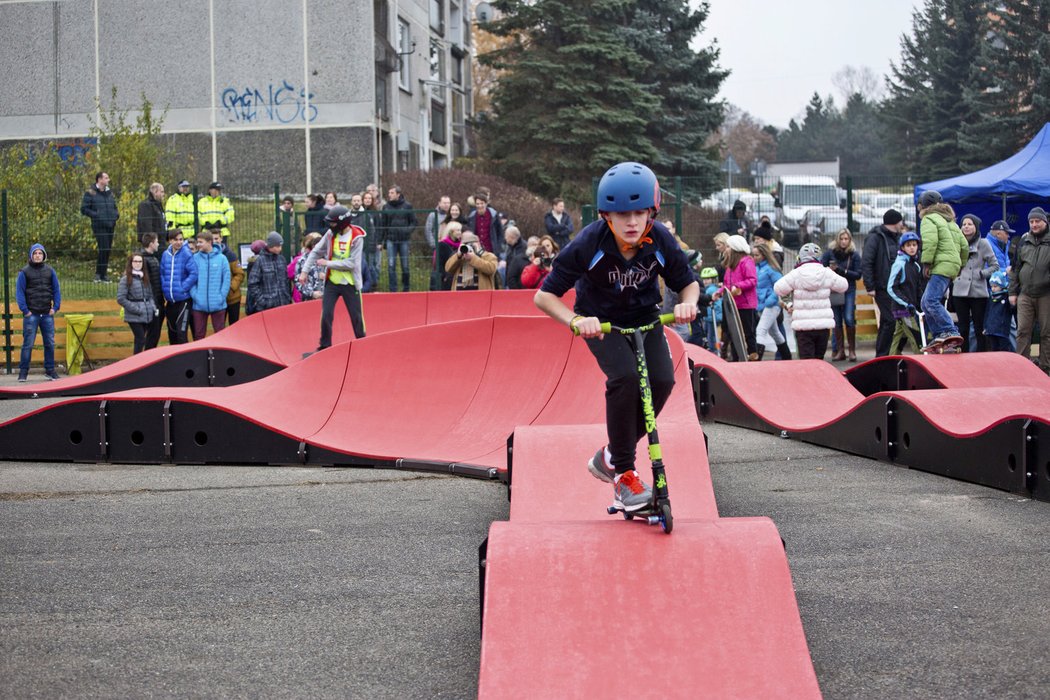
column 233, row 312
column 178, row 315
column 971, row 309
column 887, row 324
column 139, row 331
column 812, row 345
column 105, row 245
column 352, row 298
column 153, row 327
column 624, row 420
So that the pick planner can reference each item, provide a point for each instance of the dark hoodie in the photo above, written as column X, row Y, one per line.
column 36, row 289
column 736, row 220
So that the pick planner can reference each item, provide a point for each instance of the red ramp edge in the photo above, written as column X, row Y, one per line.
column 707, row 612
column 964, row 371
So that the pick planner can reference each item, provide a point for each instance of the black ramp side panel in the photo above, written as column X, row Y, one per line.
column 206, row 435
column 993, row 458
column 135, row 431
column 231, row 367
column 862, row 431
column 67, row 432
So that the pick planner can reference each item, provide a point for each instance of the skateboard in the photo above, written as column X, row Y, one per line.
column 658, row 510
column 731, row 316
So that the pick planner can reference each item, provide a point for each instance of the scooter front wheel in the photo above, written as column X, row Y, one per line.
column 666, row 519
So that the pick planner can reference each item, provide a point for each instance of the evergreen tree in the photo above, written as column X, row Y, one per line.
column 927, row 106
column 816, row 138
column 588, row 84
column 863, row 148
column 687, row 83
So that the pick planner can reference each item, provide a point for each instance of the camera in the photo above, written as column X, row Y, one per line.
column 545, row 260
column 464, row 249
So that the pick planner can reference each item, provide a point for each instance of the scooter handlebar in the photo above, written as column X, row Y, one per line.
column 665, row 319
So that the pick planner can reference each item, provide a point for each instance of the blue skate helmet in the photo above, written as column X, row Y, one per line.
column 908, row 236
column 1000, row 278
column 628, row 187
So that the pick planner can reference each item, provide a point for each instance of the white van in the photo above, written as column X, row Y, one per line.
column 797, row 194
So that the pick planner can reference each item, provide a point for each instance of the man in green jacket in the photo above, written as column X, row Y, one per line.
column 944, row 252
column 1030, row 287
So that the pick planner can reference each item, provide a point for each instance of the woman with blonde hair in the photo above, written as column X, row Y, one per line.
column 767, row 273
column 843, row 259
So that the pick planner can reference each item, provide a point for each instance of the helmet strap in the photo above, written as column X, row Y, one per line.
column 627, row 247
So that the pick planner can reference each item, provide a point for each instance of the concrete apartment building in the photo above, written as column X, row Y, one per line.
column 313, row 94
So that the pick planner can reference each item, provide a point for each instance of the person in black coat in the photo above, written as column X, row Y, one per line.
column 150, row 246
column 313, row 219
column 880, row 250
column 516, row 258
column 558, row 223
column 151, row 218
column 99, row 205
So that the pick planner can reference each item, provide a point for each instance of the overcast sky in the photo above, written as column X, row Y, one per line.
column 780, row 52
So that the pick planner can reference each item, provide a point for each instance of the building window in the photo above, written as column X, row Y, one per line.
column 438, row 133
column 437, row 68
column 457, row 69
column 437, row 16
column 404, row 47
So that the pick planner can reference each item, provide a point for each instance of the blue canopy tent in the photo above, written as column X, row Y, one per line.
column 1007, row 190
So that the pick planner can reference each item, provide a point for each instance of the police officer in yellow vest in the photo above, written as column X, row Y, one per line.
column 339, row 252
column 216, row 208
column 178, row 210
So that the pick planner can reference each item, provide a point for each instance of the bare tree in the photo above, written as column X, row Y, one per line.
column 862, row 80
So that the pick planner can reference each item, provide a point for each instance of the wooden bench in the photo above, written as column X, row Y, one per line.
column 108, row 339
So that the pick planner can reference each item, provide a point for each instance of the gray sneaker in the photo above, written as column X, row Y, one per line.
column 599, row 469
column 631, row 493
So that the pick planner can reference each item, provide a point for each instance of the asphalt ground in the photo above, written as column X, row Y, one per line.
column 160, row 581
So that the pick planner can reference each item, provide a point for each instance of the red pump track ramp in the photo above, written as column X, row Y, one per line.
column 267, row 342
column 716, row 594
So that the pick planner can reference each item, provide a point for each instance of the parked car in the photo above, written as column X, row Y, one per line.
column 822, row 227
column 798, row 194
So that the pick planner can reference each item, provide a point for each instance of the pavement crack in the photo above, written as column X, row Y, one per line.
column 52, row 495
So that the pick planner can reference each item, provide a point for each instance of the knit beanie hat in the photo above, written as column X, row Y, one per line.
column 274, row 239
column 739, row 244
column 975, row 219
column 258, row 246
column 891, row 217
column 1038, row 213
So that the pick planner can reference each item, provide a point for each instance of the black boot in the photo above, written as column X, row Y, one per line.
column 785, row 351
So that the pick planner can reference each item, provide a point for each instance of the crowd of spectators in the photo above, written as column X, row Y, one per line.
column 196, row 276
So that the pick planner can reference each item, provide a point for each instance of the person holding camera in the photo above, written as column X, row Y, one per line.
column 542, row 259
column 472, row 267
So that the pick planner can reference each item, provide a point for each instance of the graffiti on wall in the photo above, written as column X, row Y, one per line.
column 280, row 102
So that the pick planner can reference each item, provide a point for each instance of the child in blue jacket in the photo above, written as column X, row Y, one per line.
column 999, row 313
column 614, row 265
column 709, row 281
column 905, row 288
